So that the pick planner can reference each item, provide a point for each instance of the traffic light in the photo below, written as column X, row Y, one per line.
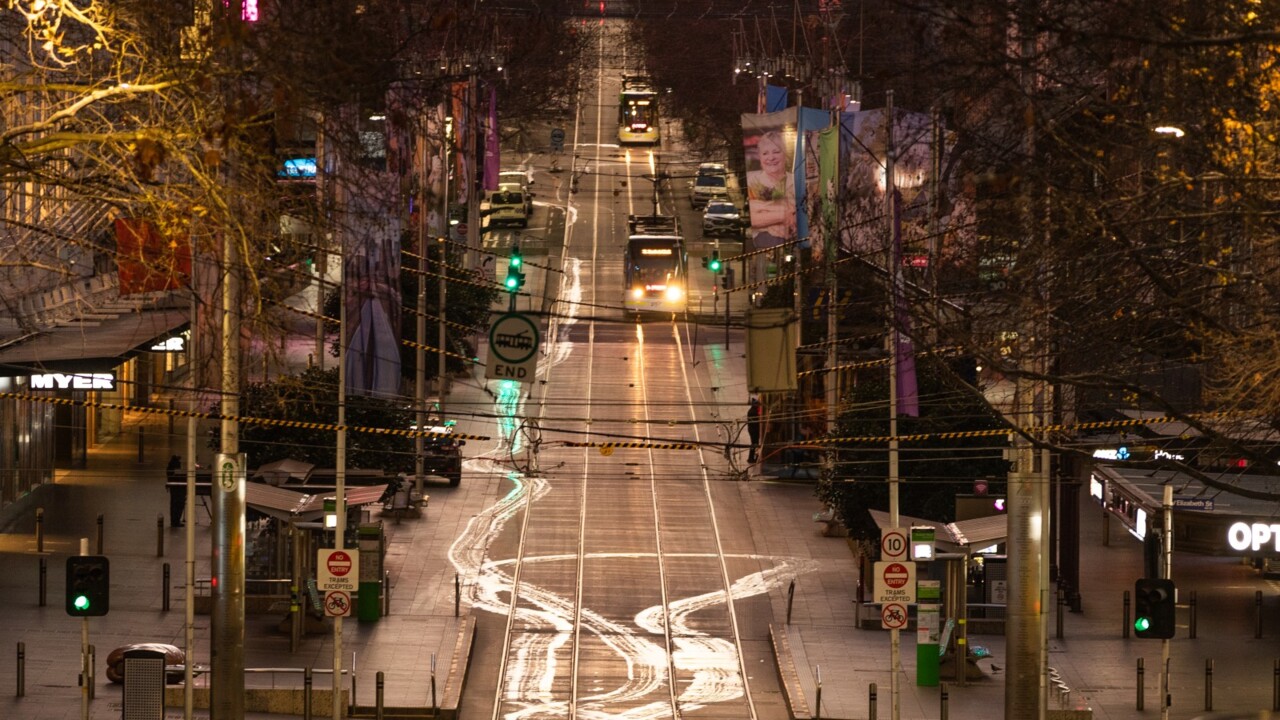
column 515, row 271
column 1154, row 611
column 88, row 585
column 714, row 264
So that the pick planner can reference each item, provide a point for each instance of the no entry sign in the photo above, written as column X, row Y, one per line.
column 336, row 570
column 895, row 582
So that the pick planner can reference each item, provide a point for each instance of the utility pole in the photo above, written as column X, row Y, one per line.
column 1166, row 541
column 891, row 274
column 340, row 492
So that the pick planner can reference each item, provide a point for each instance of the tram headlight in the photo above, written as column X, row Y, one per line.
column 637, row 293
column 674, row 293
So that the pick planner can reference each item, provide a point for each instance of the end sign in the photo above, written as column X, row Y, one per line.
column 513, row 349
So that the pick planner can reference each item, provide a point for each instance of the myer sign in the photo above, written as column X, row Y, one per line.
column 1254, row 537
column 77, row 381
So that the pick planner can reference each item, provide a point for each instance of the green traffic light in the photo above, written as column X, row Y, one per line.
column 715, row 265
column 512, row 282
column 81, row 602
column 1142, row 624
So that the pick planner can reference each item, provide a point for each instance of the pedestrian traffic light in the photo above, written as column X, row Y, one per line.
column 1154, row 610
column 515, row 271
column 714, row 264
column 88, row 585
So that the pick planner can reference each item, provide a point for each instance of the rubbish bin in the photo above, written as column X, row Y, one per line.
column 143, row 697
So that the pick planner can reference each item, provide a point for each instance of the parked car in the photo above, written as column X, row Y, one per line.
column 520, row 181
column 707, row 188
column 721, row 218
column 443, row 455
column 713, row 168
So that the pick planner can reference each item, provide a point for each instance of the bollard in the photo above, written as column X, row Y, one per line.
column 1208, row 684
column 377, row 700
column 457, row 594
column 100, row 520
column 871, row 701
column 44, row 580
column 944, row 699
column 1257, row 602
column 22, row 669
column 306, row 694
column 40, row 530
column 92, row 682
column 1193, row 614
column 1141, row 673
column 435, row 709
column 164, row 590
column 1125, row 619
column 1062, row 600
column 1275, row 686
column 386, row 594
column 159, row 536
column 791, row 596
column 817, row 704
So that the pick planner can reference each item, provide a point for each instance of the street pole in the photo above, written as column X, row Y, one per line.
column 189, row 622
column 84, row 651
column 895, row 640
column 1167, row 573
column 226, row 646
column 440, row 329
column 419, row 351
column 340, row 492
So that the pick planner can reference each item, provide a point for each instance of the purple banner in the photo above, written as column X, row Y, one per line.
column 491, row 151
column 904, row 353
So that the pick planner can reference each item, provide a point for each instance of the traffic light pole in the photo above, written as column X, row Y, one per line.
column 1166, row 541
column 84, row 651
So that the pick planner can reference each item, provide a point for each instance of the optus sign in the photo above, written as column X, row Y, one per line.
column 1254, row 537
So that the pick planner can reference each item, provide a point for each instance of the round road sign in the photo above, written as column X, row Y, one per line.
column 462, row 229
column 893, row 544
column 896, row 575
column 513, row 338
column 893, row 616
column 337, row 603
column 339, row 564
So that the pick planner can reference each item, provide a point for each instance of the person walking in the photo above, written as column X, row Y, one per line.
column 753, row 428
column 177, row 484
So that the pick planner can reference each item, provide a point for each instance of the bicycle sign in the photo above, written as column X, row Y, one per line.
column 337, row 604
column 893, row 616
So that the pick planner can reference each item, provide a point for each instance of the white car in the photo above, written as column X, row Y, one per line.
column 520, row 181
column 713, row 168
column 707, row 188
column 721, row 218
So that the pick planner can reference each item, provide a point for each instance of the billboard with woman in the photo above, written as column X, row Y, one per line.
column 770, row 143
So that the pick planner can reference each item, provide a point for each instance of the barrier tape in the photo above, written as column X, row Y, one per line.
column 245, row 419
column 428, row 348
column 634, row 445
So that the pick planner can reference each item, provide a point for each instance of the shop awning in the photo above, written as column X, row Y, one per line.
column 83, row 346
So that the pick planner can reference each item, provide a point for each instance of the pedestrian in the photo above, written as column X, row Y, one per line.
column 753, row 428
column 177, row 484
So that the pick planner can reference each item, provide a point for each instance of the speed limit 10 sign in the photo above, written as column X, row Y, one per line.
column 893, row 544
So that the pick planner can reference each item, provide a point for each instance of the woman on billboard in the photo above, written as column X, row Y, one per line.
column 771, row 192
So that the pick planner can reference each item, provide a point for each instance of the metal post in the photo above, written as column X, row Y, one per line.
column 871, row 701
column 1166, row 551
column 1257, row 602
column 435, row 709
column 141, row 444
column 306, row 694
column 92, row 681
column 22, row 669
column 1062, row 600
column 100, row 520
column 84, row 651
column 818, row 696
column 39, row 530
column 1275, row 686
column 791, row 596
column 160, row 535
column 1141, row 679
column 1208, row 684
column 945, row 697
column 164, row 589
column 377, row 696
column 171, row 414
column 457, row 594
column 1124, row 619
column 44, row 580
column 386, row 594
column 1193, row 615
column 727, row 298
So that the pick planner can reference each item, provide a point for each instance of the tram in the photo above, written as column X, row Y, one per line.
column 656, row 266
column 638, row 112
